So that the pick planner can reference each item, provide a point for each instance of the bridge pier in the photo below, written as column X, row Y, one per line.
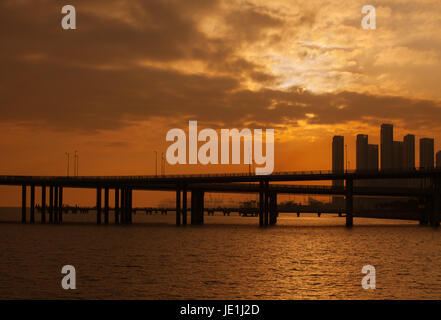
column 197, row 207
column 23, row 204
column 178, row 207
column 261, row 204
column 126, row 205
column 129, row 209
column 43, row 204
column 116, row 205
column 123, row 206
column 273, row 208
column 98, row 205
column 267, row 205
column 349, row 199
column 106, row 205
column 51, row 204
column 56, row 208
column 184, row 207
column 60, row 204
column 32, row 205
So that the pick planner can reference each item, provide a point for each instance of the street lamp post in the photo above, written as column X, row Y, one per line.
column 67, row 154
column 76, row 163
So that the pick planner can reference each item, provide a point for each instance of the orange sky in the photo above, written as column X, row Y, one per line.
column 135, row 69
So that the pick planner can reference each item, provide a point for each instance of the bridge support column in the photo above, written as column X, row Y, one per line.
column 266, row 216
column 126, row 206
column 23, row 204
column 43, row 204
column 349, row 203
column 98, row 205
column 106, row 205
column 60, row 204
column 56, row 208
column 184, row 207
column 32, row 205
column 51, row 204
column 197, row 207
column 123, row 205
column 261, row 204
column 130, row 209
column 178, row 207
column 116, row 205
column 273, row 208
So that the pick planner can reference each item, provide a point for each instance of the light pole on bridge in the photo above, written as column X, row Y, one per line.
column 76, row 158
column 68, row 156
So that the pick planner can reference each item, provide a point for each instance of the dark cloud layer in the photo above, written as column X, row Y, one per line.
column 89, row 79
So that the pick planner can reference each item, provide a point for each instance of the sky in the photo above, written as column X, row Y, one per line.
column 132, row 70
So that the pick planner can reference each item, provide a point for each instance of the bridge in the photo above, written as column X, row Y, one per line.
column 266, row 186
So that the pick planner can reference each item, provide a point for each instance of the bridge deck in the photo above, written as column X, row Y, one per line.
column 140, row 180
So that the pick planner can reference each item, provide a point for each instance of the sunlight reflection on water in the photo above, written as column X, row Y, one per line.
column 227, row 258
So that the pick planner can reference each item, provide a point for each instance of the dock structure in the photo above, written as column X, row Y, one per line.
column 267, row 187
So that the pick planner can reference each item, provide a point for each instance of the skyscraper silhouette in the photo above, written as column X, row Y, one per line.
column 409, row 151
column 372, row 157
column 387, row 136
column 338, row 159
column 362, row 152
column 338, row 165
column 426, row 153
column 397, row 156
column 438, row 159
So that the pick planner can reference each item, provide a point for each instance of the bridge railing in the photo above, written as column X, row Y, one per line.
column 238, row 174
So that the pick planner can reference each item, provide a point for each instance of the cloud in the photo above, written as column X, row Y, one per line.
column 212, row 61
column 69, row 98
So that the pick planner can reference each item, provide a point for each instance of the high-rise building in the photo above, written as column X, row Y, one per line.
column 438, row 159
column 373, row 157
column 338, row 165
column 362, row 152
column 426, row 153
column 338, row 158
column 397, row 156
column 409, row 151
column 387, row 137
